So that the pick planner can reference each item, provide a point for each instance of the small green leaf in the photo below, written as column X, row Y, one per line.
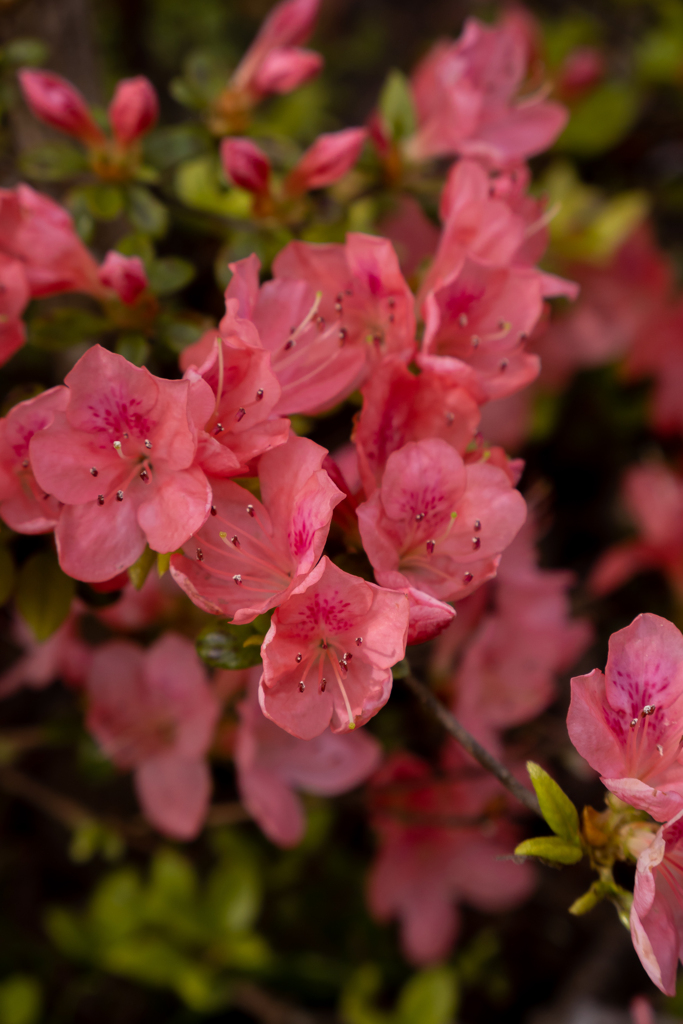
column 133, row 347
column 26, row 51
column 54, row 161
column 137, row 244
column 169, row 274
column 222, row 645
column 550, row 848
column 197, row 185
column 44, row 594
column 556, row 807
column 8, row 574
column 64, row 327
column 168, row 146
column 601, row 120
column 429, row 997
column 103, row 201
column 146, row 212
column 21, row 1000
column 163, row 562
column 396, row 105
column 139, row 571
column 590, row 899
column 357, row 1005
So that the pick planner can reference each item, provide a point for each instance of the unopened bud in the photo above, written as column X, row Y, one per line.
column 133, row 110
column 285, row 69
column 59, row 104
column 245, row 164
column 125, row 274
column 327, row 160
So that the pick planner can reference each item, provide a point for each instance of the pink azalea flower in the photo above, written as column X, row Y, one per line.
column 242, row 424
column 14, row 296
column 124, row 274
column 467, row 98
column 314, row 365
column 412, row 234
column 399, row 406
column 476, row 324
column 250, row 555
column 436, row 524
column 656, row 916
column 328, row 654
column 24, row 505
column 133, row 110
column 246, row 164
column 63, row 656
column 329, row 158
column 435, row 852
column 40, row 233
column 274, row 62
column 58, row 103
column 363, row 291
column 657, row 352
column 153, row 711
column 272, row 765
column 627, row 723
column 653, row 496
column 120, row 458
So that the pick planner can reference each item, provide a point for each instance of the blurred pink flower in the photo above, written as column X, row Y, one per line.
column 133, row 110
column 656, row 919
column 153, row 711
column 59, row 103
column 245, row 164
column 327, row 160
column 125, row 274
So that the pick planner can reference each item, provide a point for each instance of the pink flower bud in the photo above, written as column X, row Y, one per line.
column 60, row 104
column 285, row 69
column 245, row 164
column 288, row 24
column 134, row 109
column 581, row 70
column 327, row 160
column 125, row 274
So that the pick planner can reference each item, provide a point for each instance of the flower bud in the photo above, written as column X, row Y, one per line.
column 125, row 274
column 59, row 104
column 245, row 164
column 134, row 109
column 327, row 160
column 285, row 69
column 288, row 24
column 581, row 71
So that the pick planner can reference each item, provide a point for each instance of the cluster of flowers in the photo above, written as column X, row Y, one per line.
column 206, row 470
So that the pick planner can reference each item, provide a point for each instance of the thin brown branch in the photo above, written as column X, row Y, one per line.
column 267, row 1008
column 64, row 810
column 472, row 746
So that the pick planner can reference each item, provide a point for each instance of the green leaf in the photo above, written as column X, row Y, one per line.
column 222, row 645
column 166, row 147
column 550, row 848
column 44, row 594
column 8, row 574
column 589, row 900
column 659, row 55
column 63, row 327
column 103, row 201
column 556, row 807
column 601, row 120
column 68, row 933
column 234, row 895
column 21, row 1000
column 429, row 997
column 197, row 185
column 116, row 908
column 169, row 274
column 396, row 106
column 177, row 333
column 146, row 212
column 139, row 571
column 26, row 51
column 54, row 161
column 358, row 997
column 163, row 563
column 133, row 347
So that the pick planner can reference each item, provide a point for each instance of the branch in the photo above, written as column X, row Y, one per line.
column 472, row 746
column 64, row 810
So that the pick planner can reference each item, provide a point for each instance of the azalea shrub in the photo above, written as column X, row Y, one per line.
column 340, row 439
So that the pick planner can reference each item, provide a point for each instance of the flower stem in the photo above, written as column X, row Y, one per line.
column 472, row 746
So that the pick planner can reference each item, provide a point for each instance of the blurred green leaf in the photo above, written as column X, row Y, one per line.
column 601, row 120
column 396, row 106
column 205, row 74
column 137, row 243
column 550, row 848
column 177, row 332
column 117, row 906
column 8, row 574
column 197, row 184
column 21, row 999
column 357, row 1004
column 556, row 807
column 222, row 645
column 133, row 347
column 54, row 161
column 102, row 201
column 63, row 327
column 44, row 593
column 26, row 51
column 429, row 997
column 166, row 147
column 169, row 274
column 147, row 213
